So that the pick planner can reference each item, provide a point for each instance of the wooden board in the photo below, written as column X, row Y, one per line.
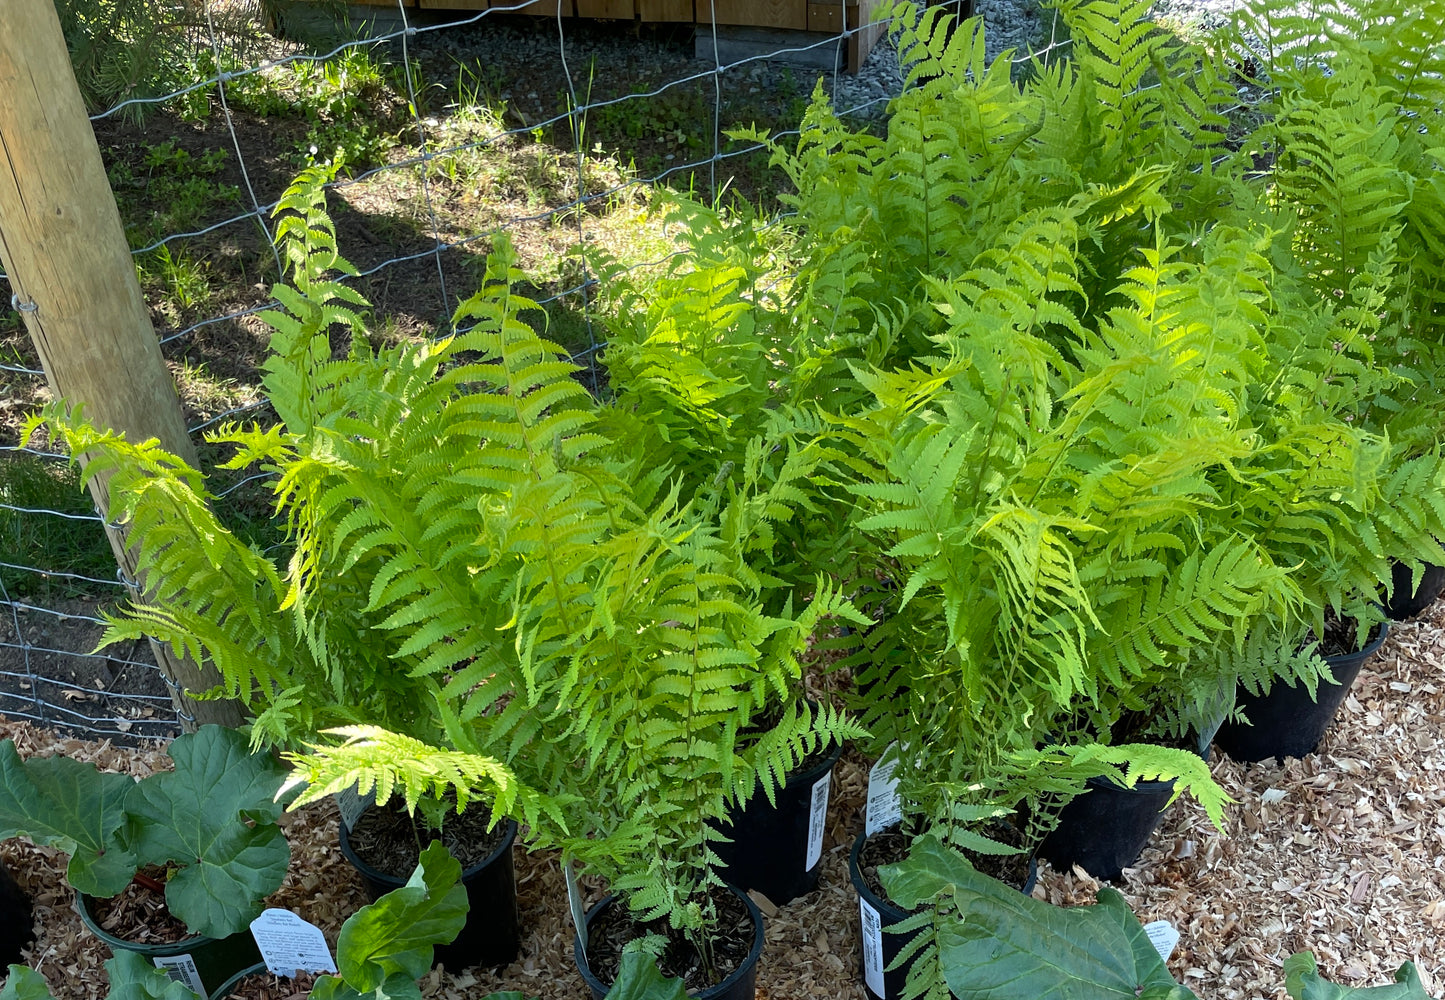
column 757, row 13
column 624, row 10
column 665, row 10
column 449, row 4
column 542, row 8
column 831, row 17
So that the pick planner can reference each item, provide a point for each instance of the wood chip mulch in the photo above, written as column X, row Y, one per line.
column 1342, row 853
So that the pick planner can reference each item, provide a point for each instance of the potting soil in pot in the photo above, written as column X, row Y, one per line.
column 391, row 841
column 139, row 913
column 614, row 927
column 265, row 986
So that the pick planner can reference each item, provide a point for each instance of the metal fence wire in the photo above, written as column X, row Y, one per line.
column 51, row 604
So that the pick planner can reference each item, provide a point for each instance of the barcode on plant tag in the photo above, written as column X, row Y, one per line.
column 183, row 970
column 818, row 820
column 872, row 948
column 884, row 806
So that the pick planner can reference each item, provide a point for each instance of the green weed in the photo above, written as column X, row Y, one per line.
column 48, row 541
column 169, row 190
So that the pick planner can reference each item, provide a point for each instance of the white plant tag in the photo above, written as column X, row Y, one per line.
column 182, row 968
column 872, row 947
column 1163, row 937
column 884, row 806
column 574, row 902
column 818, row 820
column 351, row 806
column 289, row 943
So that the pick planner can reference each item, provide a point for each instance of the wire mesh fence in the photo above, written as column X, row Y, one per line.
column 446, row 129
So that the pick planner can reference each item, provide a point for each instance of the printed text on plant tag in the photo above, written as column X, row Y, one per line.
column 872, row 948
column 818, row 820
column 183, row 970
column 1162, row 936
column 289, row 944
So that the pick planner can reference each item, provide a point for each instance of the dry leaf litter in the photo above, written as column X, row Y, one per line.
column 1342, row 853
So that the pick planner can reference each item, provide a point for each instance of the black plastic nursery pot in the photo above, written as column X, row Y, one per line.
column 740, row 985
column 776, row 849
column 1407, row 602
column 875, row 916
column 492, row 934
column 219, row 993
column 225, row 989
column 17, row 919
column 209, row 961
column 1287, row 722
column 1104, row 829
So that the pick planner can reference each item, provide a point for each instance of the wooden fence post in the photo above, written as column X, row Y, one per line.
column 64, row 249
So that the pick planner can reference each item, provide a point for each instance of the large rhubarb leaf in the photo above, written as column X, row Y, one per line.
column 133, row 977
column 24, row 983
column 638, row 978
column 1003, row 945
column 1302, row 981
column 71, row 806
column 215, row 814
column 386, row 947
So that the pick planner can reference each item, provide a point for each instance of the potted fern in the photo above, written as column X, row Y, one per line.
column 672, row 667
column 348, row 648
column 1344, row 183
column 696, row 365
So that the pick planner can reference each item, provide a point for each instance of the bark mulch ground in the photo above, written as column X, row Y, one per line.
column 1342, row 853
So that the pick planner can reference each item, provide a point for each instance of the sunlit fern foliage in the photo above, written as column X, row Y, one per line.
column 487, row 596
column 969, row 151
column 1351, row 167
column 1044, row 499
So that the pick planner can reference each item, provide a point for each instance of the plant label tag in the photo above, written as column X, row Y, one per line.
column 182, row 969
column 872, row 947
column 351, row 805
column 289, row 944
column 818, row 820
column 574, row 903
column 884, row 806
column 1163, row 937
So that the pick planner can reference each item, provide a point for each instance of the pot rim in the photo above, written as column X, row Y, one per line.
column 1371, row 646
column 219, row 992
column 396, row 882
column 83, row 903
column 716, row 990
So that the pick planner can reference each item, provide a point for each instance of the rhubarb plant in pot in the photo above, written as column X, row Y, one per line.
column 202, row 836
